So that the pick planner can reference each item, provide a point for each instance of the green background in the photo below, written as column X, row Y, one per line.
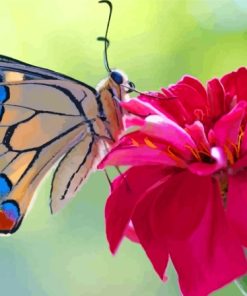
column 155, row 42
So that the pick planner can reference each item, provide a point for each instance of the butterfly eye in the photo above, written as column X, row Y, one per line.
column 9, row 215
column 132, row 86
column 117, row 77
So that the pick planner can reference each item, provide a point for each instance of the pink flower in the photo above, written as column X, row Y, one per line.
column 185, row 195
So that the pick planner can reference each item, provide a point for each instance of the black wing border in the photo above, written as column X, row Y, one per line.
column 25, row 68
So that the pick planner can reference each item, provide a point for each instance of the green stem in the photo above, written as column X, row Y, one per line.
column 242, row 285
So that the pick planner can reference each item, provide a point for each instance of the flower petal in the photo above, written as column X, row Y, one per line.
column 243, row 147
column 189, row 223
column 164, row 212
column 189, row 92
column 237, row 204
column 138, row 107
column 211, row 256
column 179, row 205
column 133, row 150
column 216, row 97
column 154, row 246
column 138, row 156
column 167, row 104
column 197, row 132
column 131, row 234
column 170, row 132
column 195, row 84
column 227, row 127
column 128, row 189
column 239, row 165
column 235, row 83
column 132, row 120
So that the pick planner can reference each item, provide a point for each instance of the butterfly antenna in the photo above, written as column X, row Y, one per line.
column 105, row 39
column 133, row 89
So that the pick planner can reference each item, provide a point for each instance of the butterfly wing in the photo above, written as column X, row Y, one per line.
column 46, row 116
column 73, row 170
column 43, row 115
column 10, row 67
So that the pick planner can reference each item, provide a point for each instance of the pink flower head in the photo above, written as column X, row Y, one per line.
column 184, row 196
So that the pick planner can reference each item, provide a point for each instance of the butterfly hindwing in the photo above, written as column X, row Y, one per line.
column 73, row 170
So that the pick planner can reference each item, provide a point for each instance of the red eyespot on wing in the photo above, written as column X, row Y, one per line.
column 6, row 223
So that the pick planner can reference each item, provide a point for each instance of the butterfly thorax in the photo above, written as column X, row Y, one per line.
column 111, row 92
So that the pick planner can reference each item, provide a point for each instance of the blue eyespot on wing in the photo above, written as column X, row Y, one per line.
column 4, row 93
column 4, row 96
column 5, row 186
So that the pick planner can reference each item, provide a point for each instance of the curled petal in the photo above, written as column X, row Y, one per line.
column 170, row 132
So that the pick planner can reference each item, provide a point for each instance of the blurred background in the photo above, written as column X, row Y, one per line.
column 155, row 42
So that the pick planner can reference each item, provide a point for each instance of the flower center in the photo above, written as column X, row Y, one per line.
column 201, row 154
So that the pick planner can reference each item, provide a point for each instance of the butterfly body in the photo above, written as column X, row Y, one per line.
column 47, row 117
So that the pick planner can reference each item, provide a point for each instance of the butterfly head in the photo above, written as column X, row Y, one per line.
column 120, row 85
column 112, row 91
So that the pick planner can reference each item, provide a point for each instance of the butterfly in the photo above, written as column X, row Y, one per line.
column 47, row 117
